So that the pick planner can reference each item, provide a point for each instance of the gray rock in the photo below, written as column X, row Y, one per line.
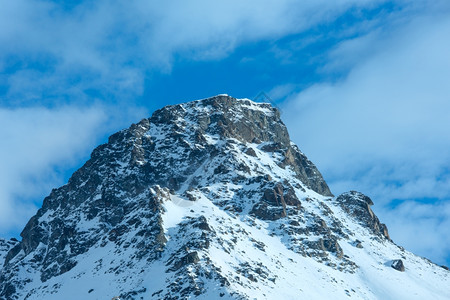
column 190, row 258
column 8, row 248
column 276, row 200
column 358, row 205
column 397, row 264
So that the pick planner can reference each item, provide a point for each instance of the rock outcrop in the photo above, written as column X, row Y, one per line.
column 358, row 205
column 5, row 249
column 398, row 265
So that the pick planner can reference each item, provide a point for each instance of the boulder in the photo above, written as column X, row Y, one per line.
column 398, row 265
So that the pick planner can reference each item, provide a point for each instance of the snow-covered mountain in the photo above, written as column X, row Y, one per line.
column 209, row 200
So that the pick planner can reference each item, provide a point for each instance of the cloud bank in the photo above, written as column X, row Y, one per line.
column 34, row 142
column 53, row 51
column 383, row 129
column 39, row 145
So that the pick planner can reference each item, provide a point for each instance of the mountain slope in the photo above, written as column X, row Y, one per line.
column 209, row 199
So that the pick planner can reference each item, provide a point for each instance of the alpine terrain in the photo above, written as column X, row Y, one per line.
column 209, row 200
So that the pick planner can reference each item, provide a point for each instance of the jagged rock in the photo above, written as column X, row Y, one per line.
column 202, row 223
column 265, row 212
column 397, row 264
column 330, row 244
column 276, row 199
column 251, row 152
column 190, row 258
column 8, row 248
column 324, row 245
column 358, row 205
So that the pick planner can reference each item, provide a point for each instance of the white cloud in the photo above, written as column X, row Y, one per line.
column 34, row 140
column 423, row 227
column 384, row 128
column 109, row 46
column 391, row 107
column 37, row 143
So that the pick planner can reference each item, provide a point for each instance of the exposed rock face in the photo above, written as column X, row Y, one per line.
column 398, row 265
column 208, row 198
column 237, row 121
column 358, row 205
column 274, row 202
column 5, row 248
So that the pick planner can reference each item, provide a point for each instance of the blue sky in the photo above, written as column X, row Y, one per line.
column 363, row 86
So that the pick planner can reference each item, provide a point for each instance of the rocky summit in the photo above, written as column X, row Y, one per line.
column 209, row 200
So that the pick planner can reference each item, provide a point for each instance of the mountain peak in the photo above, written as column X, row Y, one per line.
column 207, row 199
column 228, row 117
column 220, row 119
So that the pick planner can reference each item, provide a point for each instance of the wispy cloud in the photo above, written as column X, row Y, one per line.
column 383, row 128
column 423, row 227
column 37, row 145
column 50, row 51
